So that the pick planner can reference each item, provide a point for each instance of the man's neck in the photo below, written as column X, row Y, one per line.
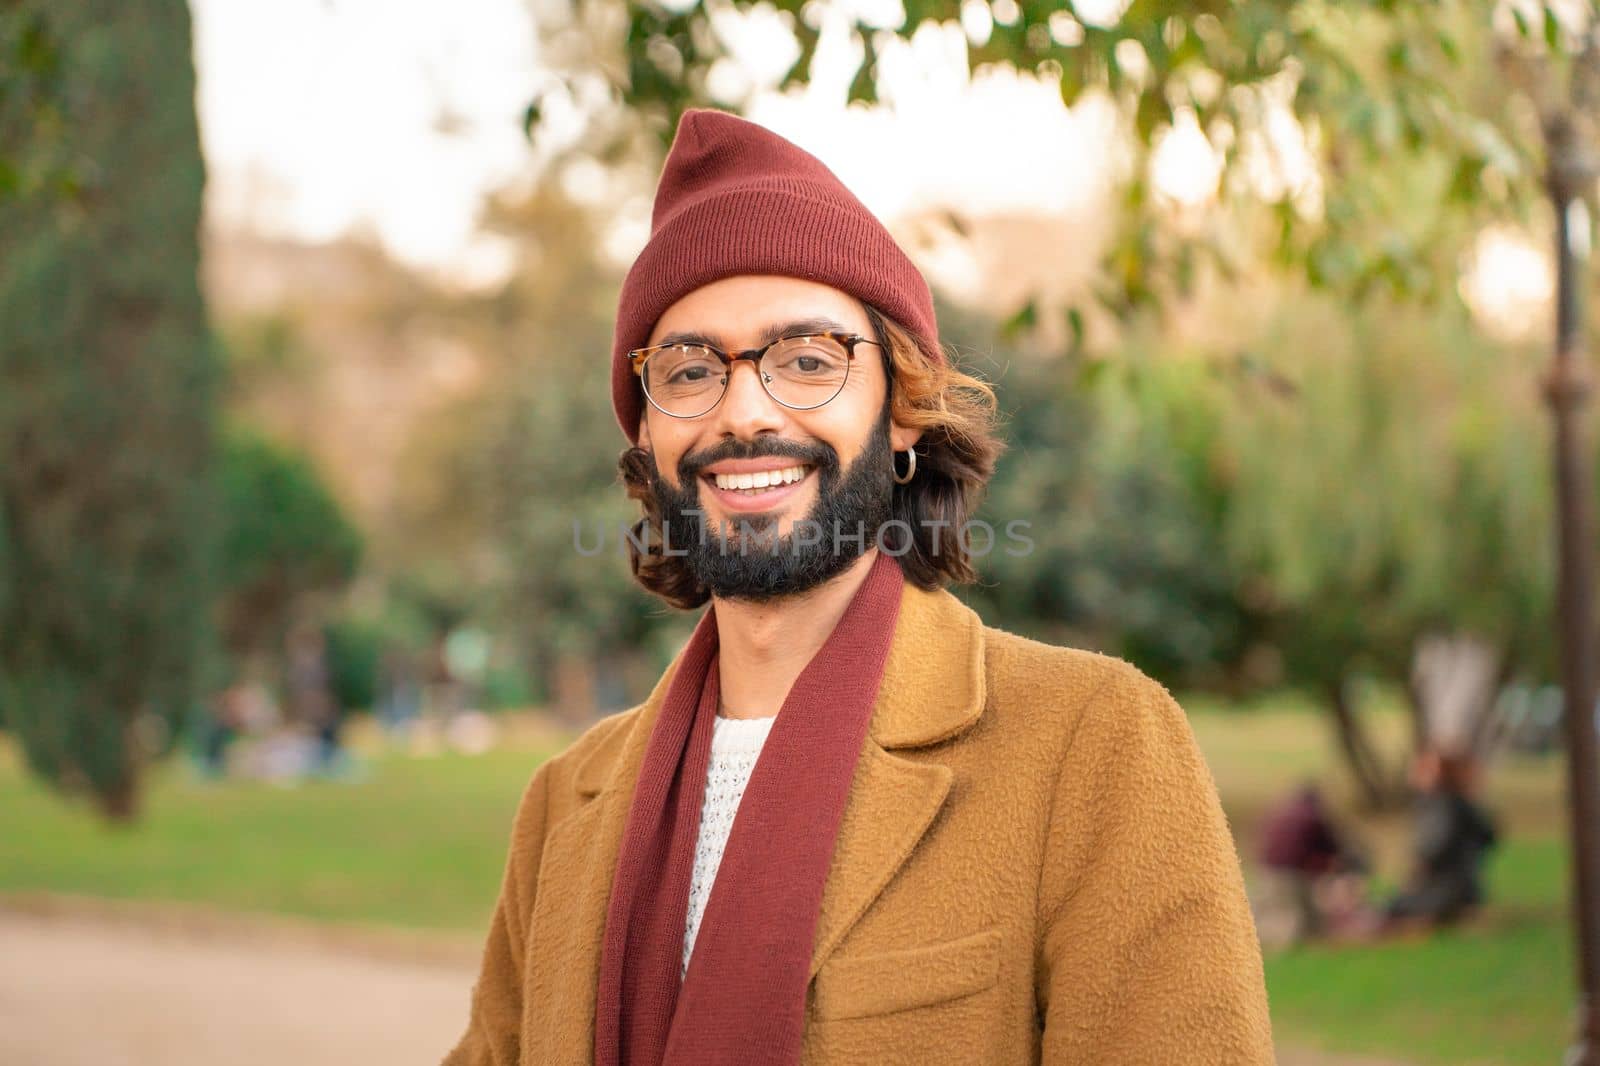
column 763, row 647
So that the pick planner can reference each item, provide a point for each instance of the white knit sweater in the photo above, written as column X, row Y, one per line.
column 735, row 744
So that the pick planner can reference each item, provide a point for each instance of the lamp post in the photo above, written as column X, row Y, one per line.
column 1571, row 172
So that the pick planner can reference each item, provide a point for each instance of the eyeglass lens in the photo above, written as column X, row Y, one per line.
column 802, row 372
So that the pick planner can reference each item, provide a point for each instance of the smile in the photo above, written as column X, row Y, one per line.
column 760, row 480
column 757, row 490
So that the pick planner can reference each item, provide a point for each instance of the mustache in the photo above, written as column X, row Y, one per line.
column 814, row 453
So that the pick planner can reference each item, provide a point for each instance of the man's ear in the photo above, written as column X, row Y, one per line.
column 902, row 437
column 644, row 430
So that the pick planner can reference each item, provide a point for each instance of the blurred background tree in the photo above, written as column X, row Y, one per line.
column 107, row 387
column 1399, row 493
column 284, row 539
column 1126, row 538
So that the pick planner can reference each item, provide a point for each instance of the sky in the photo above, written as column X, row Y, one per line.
column 319, row 116
column 322, row 116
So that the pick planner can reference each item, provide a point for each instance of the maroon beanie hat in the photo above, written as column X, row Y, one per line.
column 736, row 198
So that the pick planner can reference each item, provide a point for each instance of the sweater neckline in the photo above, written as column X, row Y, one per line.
column 740, row 734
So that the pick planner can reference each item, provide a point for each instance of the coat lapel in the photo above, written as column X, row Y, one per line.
column 932, row 690
column 892, row 802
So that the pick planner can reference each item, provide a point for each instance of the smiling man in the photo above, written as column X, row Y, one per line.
column 762, row 513
column 851, row 823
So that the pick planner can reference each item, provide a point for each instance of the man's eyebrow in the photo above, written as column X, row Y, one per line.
column 797, row 328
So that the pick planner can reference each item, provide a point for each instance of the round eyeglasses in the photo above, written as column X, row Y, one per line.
column 802, row 373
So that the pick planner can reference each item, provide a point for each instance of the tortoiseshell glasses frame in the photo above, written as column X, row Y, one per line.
column 685, row 384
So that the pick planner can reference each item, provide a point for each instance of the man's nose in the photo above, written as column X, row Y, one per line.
column 746, row 409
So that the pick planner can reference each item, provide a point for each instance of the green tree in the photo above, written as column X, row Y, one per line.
column 1392, row 490
column 107, row 386
column 1124, row 547
column 284, row 539
column 1309, row 511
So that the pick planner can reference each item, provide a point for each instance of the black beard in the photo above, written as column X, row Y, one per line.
column 745, row 560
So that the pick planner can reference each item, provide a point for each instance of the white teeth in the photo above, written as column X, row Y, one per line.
column 761, row 479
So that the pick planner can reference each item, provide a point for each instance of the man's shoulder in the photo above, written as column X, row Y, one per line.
column 565, row 781
column 1016, row 660
column 1076, row 684
column 596, row 748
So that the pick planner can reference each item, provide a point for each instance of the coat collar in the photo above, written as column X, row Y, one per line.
column 932, row 689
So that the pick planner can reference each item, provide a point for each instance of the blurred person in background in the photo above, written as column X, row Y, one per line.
column 851, row 823
column 311, row 699
column 1315, row 872
column 220, row 722
column 1453, row 837
column 442, row 698
column 399, row 692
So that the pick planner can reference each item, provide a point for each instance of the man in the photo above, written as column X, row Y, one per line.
column 851, row 824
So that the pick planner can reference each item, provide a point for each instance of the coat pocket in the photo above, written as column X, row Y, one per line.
column 862, row 985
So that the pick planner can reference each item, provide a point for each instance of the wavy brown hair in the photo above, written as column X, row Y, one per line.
column 955, row 459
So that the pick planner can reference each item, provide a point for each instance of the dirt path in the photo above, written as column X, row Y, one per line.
column 77, row 992
column 99, row 989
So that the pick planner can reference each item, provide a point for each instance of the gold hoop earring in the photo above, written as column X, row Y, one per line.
column 911, row 469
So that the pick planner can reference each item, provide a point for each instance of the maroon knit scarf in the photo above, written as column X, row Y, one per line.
column 743, row 1000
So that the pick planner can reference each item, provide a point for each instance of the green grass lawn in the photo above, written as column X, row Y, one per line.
column 420, row 843
column 1498, row 992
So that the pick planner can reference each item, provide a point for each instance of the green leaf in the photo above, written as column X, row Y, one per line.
column 864, row 86
column 1153, row 113
column 800, row 72
column 1020, row 321
column 1071, row 83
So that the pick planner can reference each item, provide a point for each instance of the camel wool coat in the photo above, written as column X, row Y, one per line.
column 1033, row 867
